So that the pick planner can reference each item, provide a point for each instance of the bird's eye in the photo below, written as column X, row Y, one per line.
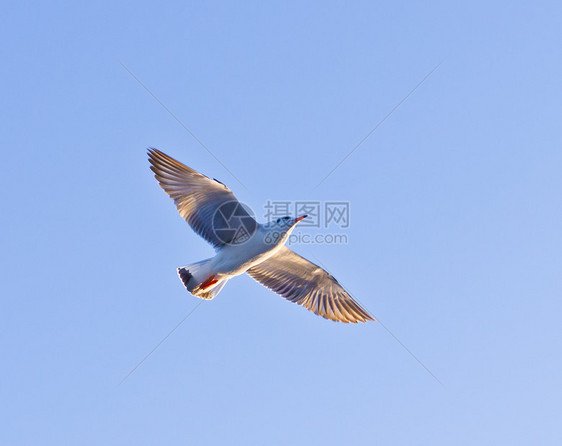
column 286, row 218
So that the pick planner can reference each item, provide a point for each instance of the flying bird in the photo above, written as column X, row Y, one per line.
column 243, row 245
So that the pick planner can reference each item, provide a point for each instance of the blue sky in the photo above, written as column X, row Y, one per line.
column 454, row 238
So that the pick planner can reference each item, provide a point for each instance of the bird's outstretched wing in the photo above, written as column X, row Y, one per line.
column 209, row 207
column 303, row 282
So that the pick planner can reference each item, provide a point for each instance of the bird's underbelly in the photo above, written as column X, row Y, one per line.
column 233, row 261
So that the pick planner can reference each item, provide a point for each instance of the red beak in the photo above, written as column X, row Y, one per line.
column 302, row 217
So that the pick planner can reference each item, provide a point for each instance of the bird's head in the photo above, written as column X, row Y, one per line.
column 287, row 223
column 280, row 229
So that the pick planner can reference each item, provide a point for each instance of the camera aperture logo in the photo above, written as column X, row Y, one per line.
column 234, row 223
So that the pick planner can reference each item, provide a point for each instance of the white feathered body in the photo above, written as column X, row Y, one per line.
column 235, row 259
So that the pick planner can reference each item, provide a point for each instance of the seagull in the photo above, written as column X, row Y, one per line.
column 243, row 245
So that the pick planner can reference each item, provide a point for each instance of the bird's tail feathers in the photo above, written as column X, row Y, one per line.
column 199, row 280
column 211, row 292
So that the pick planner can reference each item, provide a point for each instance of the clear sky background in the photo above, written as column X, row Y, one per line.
column 455, row 240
